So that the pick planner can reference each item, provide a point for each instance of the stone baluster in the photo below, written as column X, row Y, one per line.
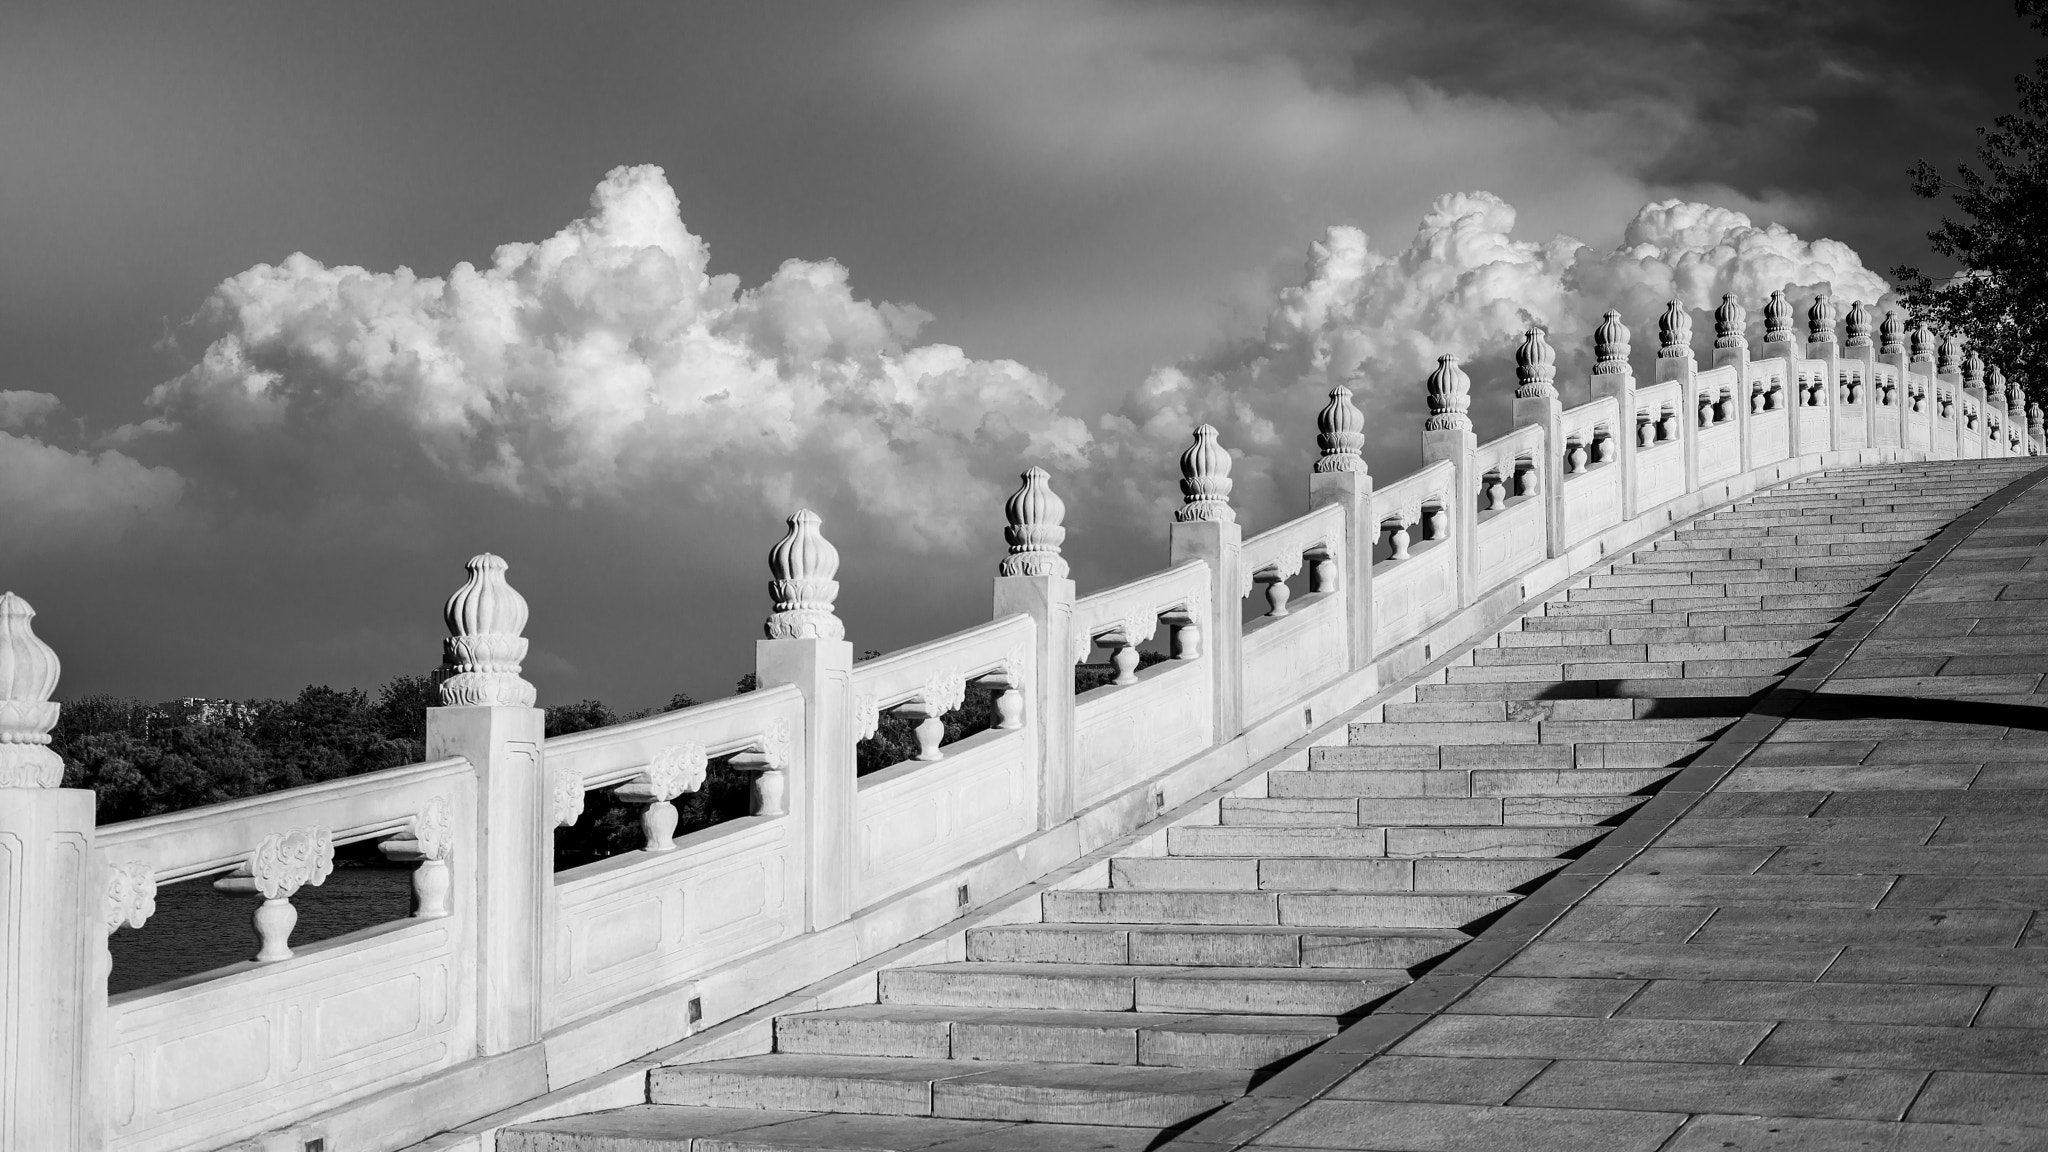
column 806, row 646
column 2016, row 420
column 486, row 715
column 1613, row 377
column 1340, row 478
column 676, row 769
column 1032, row 581
column 1537, row 402
column 1205, row 528
column 1448, row 435
column 52, row 913
column 426, row 844
column 944, row 692
column 1927, row 386
column 281, row 865
column 2037, row 430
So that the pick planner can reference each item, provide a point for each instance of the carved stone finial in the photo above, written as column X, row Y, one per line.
column 2035, row 423
column 1820, row 320
column 28, row 674
column 1034, row 532
column 480, row 659
column 1891, row 334
column 1973, row 370
column 1450, row 397
column 1610, row 345
column 1923, row 341
column 801, row 568
column 1729, row 320
column 1950, row 358
column 1857, row 325
column 1674, row 332
column 1777, row 318
column 1535, row 366
column 1994, row 388
column 1205, row 481
column 1340, row 433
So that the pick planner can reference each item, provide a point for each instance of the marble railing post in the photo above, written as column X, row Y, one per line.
column 1821, row 345
column 1973, row 387
column 1995, row 412
column 1859, row 349
column 2036, row 430
column 1949, row 375
column 1537, row 402
column 1447, row 435
column 1675, row 361
column 51, row 924
column 806, row 646
column 1731, row 347
column 1205, row 528
column 1033, row 581
column 1340, row 478
column 1612, row 376
column 1779, row 342
column 486, row 716
column 1891, row 352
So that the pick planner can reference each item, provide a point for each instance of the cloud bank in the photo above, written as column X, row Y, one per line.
column 1464, row 284
column 599, row 365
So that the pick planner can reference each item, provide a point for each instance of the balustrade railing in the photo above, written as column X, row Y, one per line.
column 539, row 975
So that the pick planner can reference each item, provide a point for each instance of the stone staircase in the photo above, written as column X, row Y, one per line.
column 1134, row 1009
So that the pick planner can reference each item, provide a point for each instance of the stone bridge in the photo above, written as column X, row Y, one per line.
column 1668, row 773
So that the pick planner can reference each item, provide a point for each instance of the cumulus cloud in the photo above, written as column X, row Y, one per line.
column 53, row 498
column 1464, row 284
column 22, row 410
column 604, row 363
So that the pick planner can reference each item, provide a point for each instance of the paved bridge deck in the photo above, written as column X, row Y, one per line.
column 1761, row 912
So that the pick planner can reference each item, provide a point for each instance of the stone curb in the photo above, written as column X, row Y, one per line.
column 1318, row 1071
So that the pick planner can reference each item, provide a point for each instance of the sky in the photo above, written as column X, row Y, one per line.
column 303, row 306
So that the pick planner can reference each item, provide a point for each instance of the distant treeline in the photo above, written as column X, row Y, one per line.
column 143, row 759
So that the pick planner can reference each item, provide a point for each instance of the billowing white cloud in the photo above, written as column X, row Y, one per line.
column 51, row 498
column 606, row 363
column 21, row 410
column 1463, row 285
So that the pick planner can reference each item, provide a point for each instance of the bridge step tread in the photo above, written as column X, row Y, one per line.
column 1219, row 945
column 1156, row 1039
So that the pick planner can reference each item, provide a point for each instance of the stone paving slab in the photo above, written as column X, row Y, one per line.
column 1830, row 931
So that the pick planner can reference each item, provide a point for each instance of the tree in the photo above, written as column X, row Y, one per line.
column 1998, row 299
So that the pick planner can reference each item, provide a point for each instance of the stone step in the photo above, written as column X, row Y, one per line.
column 1750, row 617
column 976, row 1090
column 1338, row 874
column 1420, row 787
column 1314, row 909
column 1662, row 687
column 1583, row 754
column 1412, row 843
column 682, row 1128
column 1560, row 654
column 1463, row 711
column 1226, row 840
column 1219, row 946
column 1154, row 1039
column 1141, row 988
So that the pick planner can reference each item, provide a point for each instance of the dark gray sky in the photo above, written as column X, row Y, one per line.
column 1091, row 190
